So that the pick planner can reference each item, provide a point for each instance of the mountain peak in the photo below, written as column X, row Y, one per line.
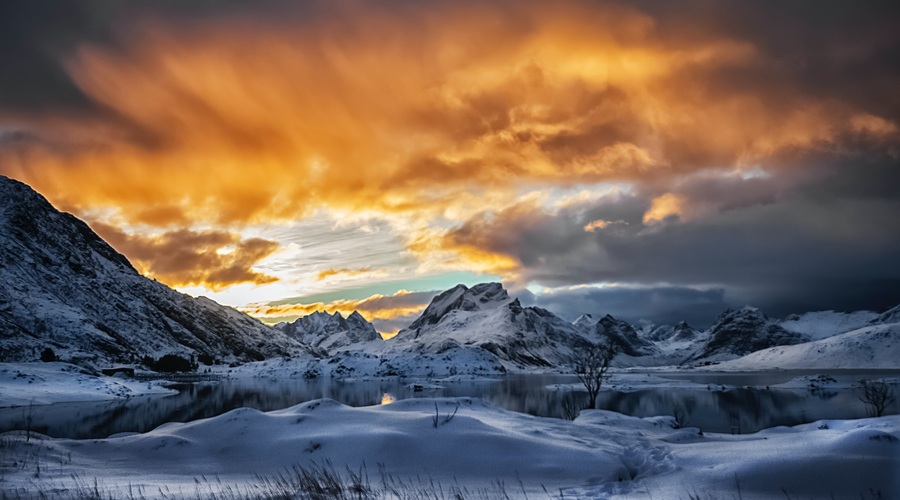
column 479, row 297
column 330, row 331
column 742, row 331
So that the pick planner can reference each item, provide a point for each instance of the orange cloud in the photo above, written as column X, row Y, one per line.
column 662, row 207
column 213, row 259
column 376, row 307
column 601, row 224
column 347, row 272
column 235, row 120
column 414, row 112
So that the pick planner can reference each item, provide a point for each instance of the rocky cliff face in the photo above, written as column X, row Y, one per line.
column 484, row 317
column 682, row 332
column 63, row 287
column 615, row 332
column 331, row 332
column 742, row 331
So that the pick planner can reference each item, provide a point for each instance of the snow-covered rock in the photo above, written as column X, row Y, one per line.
column 622, row 335
column 682, row 332
column 892, row 315
column 876, row 346
column 742, row 331
column 63, row 287
column 484, row 317
column 331, row 332
column 584, row 322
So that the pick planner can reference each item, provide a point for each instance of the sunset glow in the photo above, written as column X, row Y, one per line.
column 265, row 154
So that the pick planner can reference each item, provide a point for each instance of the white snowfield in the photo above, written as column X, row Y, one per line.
column 601, row 454
column 874, row 347
column 822, row 324
column 22, row 384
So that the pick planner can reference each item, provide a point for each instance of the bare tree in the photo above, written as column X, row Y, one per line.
column 591, row 365
column 877, row 395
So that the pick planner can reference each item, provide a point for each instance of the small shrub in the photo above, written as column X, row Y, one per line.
column 206, row 359
column 171, row 363
column 48, row 356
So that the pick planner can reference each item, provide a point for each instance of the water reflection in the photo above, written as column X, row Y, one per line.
column 713, row 410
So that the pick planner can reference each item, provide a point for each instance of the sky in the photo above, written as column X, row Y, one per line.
column 652, row 160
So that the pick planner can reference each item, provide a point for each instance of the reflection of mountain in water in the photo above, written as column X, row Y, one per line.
column 713, row 410
column 736, row 410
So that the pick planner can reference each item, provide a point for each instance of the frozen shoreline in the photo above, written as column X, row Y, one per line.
column 23, row 384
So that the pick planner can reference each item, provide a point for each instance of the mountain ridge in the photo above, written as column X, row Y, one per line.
column 62, row 287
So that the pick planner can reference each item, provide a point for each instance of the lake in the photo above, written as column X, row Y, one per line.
column 735, row 410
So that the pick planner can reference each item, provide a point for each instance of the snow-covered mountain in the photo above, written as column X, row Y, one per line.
column 682, row 332
column 63, row 287
column 822, row 324
column 876, row 346
column 484, row 317
column 330, row 332
column 621, row 334
column 742, row 331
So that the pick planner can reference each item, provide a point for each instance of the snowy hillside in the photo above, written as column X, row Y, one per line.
column 822, row 324
column 876, row 346
column 892, row 315
column 742, row 331
column 331, row 332
column 485, row 318
column 63, row 287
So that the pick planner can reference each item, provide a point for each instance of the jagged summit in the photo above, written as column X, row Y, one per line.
column 682, row 332
column 741, row 331
column 484, row 317
column 611, row 330
column 63, row 287
column 622, row 334
column 461, row 298
column 331, row 331
column 584, row 321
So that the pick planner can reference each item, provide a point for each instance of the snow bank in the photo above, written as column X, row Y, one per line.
column 45, row 383
column 467, row 442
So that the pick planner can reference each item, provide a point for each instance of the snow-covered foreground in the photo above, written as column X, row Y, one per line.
column 45, row 383
column 465, row 442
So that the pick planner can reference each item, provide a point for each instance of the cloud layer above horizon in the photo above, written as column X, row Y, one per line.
column 716, row 152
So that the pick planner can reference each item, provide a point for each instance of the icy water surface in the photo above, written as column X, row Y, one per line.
column 734, row 409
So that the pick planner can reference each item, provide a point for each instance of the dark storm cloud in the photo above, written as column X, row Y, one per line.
column 660, row 305
column 828, row 244
column 33, row 38
column 36, row 38
column 843, row 50
column 831, row 49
